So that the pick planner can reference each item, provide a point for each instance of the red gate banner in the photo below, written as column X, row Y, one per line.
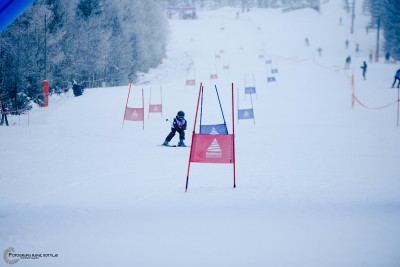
column 134, row 114
column 213, row 76
column 155, row 108
column 45, row 85
column 212, row 148
column 191, row 82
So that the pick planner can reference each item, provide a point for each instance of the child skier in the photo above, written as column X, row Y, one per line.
column 179, row 125
column 396, row 78
column 364, row 69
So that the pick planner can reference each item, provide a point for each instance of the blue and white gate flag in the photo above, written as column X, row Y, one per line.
column 271, row 79
column 214, row 129
column 274, row 71
column 250, row 90
column 244, row 114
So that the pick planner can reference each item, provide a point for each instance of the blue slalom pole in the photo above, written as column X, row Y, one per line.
column 201, row 106
column 223, row 117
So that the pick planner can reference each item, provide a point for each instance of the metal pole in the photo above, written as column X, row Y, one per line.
column 352, row 18
column 377, row 40
column 193, row 134
column 143, row 106
column 238, row 105
column 220, row 106
column 45, row 47
column 148, row 115
column 233, row 141
column 254, row 83
column 161, row 102
column 127, row 99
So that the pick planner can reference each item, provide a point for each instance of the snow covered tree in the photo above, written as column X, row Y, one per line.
column 88, row 41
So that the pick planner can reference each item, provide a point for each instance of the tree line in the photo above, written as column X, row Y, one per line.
column 82, row 41
column 387, row 14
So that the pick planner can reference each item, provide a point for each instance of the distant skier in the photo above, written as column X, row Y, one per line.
column 319, row 51
column 4, row 112
column 364, row 69
column 178, row 125
column 396, row 78
column 348, row 61
column 347, row 43
column 387, row 57
column 307, row 41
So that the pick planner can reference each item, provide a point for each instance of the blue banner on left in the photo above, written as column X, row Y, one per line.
column 10, row 10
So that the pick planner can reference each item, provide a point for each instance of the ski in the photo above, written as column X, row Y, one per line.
column 173, row 146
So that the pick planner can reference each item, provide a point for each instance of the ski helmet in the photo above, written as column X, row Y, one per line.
column 180, row 114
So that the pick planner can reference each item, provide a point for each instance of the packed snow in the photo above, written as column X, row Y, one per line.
column 317, row 180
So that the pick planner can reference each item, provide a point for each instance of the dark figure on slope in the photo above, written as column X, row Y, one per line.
column 364, row 69
column 387, row 57
column 178, row 125
column 396, row 78
column 348, row 61
column 77, row 89
column 4, row 112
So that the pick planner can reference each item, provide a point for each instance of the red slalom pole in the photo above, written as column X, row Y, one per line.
column 127, row 99
column 233, row 144
column 143, row 106
column 194, row 129
column 352, row 89
column 161, row 101
column 148, row 115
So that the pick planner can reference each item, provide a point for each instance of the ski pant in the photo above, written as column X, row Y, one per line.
column 4, row 118
column 173, row 132
column 394, row 82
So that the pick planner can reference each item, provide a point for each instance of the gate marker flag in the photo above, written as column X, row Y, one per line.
column 212, row 148
column 133, row 114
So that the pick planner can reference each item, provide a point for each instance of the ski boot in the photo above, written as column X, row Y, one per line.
column 181, row 143
column 166, row 143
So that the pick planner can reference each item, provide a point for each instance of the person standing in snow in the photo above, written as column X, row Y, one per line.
column 348, row 61
column 387, row 57
column 364, row 69
column 4, row 112
column 178, row 125
column 396, row 78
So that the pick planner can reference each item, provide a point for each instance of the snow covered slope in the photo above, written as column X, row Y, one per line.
column 317, row 181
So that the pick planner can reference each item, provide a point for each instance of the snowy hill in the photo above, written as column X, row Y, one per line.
column 317, row 181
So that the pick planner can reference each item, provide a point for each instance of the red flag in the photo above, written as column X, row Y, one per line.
column 212, row 148
column 190, row 82
column 134, row 114
column 155, row 108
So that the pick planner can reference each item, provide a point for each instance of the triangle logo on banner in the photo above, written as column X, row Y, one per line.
column 155, row 108
column 214, row 131
column 246, row 114
column 134, row 114
column 214, row 150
